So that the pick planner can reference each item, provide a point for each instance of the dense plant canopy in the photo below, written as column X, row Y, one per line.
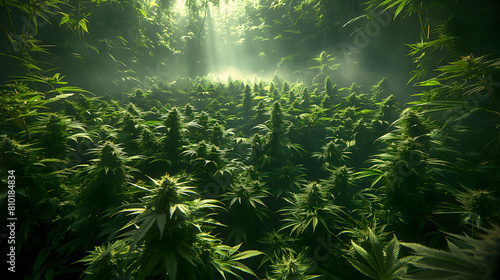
column 250, row 139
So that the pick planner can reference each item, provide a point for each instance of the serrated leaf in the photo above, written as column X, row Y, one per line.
column 364, row 254
column 65, row 19
column 161, row 221
column 171, row 264
column 362, row 268
column 400, row 8
column 246, row 254
column 429, row 83
column 141, row 232
column 83, row 25
column 377, row 250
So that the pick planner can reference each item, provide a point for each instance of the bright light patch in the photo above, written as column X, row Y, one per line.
column 235, row 74
column 152, row 3
column 180, row 5
column 225, row 47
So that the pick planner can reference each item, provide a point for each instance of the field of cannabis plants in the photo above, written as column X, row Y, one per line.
column 134, row 145
column 197, row 179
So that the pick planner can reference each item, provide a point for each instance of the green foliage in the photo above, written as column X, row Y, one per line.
column 311, row 207
column 291, row 266
column 469, row 76
column 247, row 99
column 383, row 262
column 277, row 245
column 56, row 131
column 107, row 261
column 333, row 153
column 473, row 205
column 246, row 198
column 281, row 167
column 466, row 258
column 326, row 67
column 295, row 181
column 226, row 260
column 19, row 101
column 173, row 140
column 168, row 234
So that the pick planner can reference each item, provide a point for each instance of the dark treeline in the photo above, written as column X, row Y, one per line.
column 129, row 151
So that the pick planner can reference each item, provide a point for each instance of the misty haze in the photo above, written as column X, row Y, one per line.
column 250, row 139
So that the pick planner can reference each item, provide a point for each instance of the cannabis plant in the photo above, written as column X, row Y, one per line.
column 473, row 205
column 310, row 207
column 387, row 112
column 165, row 226
column 55, row 132
column 130, row 127
column 381, row 263
column 247, row 210
column 324, row 66
column 17, row 156
column 169, row 234
column 467, row 258
column 359, row 230
column 247, row 101
column 276, row 245
column 260, row 112
column 382, row 90
column 21, row 102
column 276, row 123
column 342, row 186
column 173, row 140
column 36, row 188
column 291, row 266
column 287, row 178
column 108, row 262
column 409, row 165
column 101, row 189
column 226, row 261
column 206, row 161
column 306, row 98
column 334, row 153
